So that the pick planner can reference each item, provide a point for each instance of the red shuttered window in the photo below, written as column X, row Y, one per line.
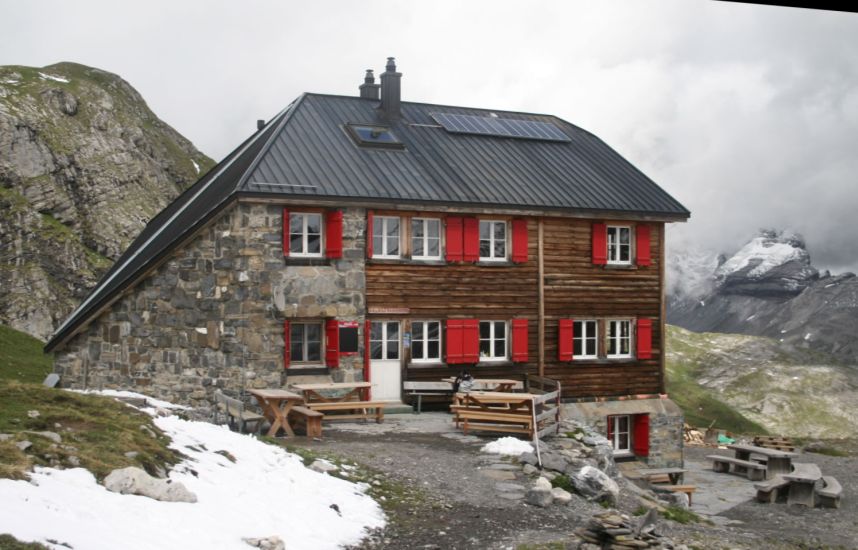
column 519, row 340
column 287, row 346
column 644, row 338
column 334, row 234
column 471, row 341
column 519, row 241
column 600, row 244
column 642, row 238
column 471, row 248
column 455, row 333
column 640, row 437
column 285, row 232
column 564, row 340
column 454, row 239
column 332, row 343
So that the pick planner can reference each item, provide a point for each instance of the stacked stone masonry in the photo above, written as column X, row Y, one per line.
column 212, row 315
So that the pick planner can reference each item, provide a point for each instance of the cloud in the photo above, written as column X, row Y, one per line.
column 747, row 114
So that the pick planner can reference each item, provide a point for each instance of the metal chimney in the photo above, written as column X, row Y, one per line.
column 260, row 124
column 390, row 90
column 369, row 89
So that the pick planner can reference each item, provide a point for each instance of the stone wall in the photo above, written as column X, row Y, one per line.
column 665, row 425
column 212, row 315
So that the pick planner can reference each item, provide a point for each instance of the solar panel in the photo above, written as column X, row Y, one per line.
column 499, row 127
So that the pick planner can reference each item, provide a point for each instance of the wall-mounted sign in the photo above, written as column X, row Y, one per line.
column 348, row 337
column 375, row 310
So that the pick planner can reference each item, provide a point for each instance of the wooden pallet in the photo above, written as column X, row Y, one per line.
column 775, row 442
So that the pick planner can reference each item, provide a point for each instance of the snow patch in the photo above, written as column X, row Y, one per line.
column 10, row 81
column 507, row 446
column 196, row 166
column 807, row 336
column 276, row 494
column 765, row 253
column 134, row 395
column 54, row 78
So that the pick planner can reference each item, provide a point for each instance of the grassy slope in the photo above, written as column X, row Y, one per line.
column 96, row 430
column 699, row 404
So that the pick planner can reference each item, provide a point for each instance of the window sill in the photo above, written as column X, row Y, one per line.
column 601, row 361
column 304, row 262
column 629, row 267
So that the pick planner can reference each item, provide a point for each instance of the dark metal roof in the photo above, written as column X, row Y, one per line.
column 306, row 152
column 315, row 157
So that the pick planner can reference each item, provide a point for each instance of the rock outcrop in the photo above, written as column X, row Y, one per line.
column 768, row 288
column 84, row 164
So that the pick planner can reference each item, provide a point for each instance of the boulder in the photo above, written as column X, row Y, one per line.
column 554, row 461
column 267, row 543
column 323, row 466
column 594, row 484
column 540, row 494
column 561, row 496
column 134, row 481
column 53, row 436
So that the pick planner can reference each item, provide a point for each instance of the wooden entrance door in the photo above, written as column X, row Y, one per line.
column 385, row 348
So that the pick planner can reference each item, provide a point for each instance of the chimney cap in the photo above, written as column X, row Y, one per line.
column 391, row 65
column 369, row 78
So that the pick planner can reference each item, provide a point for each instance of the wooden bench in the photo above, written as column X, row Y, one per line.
column 421, row 389
column 308, row 418
column 772, row 490
column 687, row 489
column 237, row 416
column 753, row 470
column 495, row 421
column 363, row 406
column 829, row 495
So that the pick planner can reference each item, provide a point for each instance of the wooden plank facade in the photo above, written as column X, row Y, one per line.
column 574, row 288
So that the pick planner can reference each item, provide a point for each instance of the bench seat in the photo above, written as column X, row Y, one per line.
column 427, row 389
column 494, row 420
column 364, row 406
column 829, row 495
column 308, row 418
column 772, row 490
column 237, row 416
column 725, row 464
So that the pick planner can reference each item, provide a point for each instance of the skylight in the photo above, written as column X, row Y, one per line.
column 370, row 135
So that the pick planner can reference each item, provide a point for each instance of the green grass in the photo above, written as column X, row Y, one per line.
column 8, row 542
column 97, row 430
column 21, row 357
column 563, row 482
column 681, row 515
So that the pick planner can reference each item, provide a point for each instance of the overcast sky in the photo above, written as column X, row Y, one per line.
column 747, row 114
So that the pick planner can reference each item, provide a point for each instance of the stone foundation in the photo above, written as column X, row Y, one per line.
column 212, row 315
column 666, row 423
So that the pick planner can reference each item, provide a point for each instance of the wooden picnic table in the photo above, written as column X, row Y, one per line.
column 353, row 391
column 275, row 405
column 491, row 384
column 777, row 462
column 675, row 475
column 494, row 411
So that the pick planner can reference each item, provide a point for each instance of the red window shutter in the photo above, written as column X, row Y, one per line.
column 564, row 340
column 366, row 356
column 334, row 234
column 332, row 343
column 519, row 340
column 611, row 429
column 644, row 338
column 642, row 238
column 454, row 337
column 640, row 435
column 454, row 239
column 471, row 240
column 287, row 345
column 285, row 232
column 471, row 341
column 600, row 244
column 369, row 234
column 519, row 241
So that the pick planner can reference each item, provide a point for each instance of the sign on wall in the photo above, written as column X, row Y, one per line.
column 348, row 337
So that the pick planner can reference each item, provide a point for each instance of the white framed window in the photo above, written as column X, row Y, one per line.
column 425, row 341
column 384, row 340
column 619, row 244
column 493, row 340
column 385, row 237
column 619, row 433
column 492, row 240
column 425, row 239
column 305, row 342
column 619, row 338
column 585, row 339
column 305, row 234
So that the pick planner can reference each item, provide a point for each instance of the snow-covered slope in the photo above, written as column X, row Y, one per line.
column 244, row 488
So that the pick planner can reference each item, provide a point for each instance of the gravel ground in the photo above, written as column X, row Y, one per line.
column 457, row 502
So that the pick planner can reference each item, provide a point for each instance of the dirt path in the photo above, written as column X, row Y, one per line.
column 462, row 498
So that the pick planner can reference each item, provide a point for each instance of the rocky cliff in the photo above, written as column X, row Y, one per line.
column 767, row 288
column 84, row 164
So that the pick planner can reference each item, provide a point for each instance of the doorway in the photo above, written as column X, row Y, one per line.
column 385, row 348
